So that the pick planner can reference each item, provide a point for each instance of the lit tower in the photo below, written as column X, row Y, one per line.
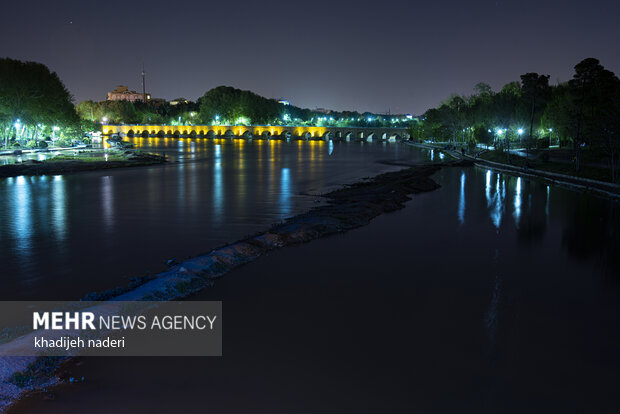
column 143, row 84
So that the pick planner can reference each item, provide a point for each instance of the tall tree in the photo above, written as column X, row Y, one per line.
column 594, row 91
column 535, row 93
column 32, row 94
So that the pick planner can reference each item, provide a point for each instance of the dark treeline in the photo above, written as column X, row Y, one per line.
column 35, row 107
column 34, row 103
column 582, row 114
column 228, row 106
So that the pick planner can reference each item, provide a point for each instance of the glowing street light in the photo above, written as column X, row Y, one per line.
column 104, row 119
column 520, row 131
column 550, row 131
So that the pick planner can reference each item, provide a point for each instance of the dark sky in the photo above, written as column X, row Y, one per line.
column 405, row 56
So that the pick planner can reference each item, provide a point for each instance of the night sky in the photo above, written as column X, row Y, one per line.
column 402, row 56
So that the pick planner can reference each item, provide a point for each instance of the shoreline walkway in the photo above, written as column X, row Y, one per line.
column 603, row 188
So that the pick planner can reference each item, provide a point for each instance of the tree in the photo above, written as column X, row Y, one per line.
column 594, row 93
column 32, row 94
column 504, row 109
column 483, row 134
column 534, row 94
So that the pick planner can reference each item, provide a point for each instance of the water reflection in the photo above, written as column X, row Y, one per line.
column 517, row 202
column 59, row 207
column 285, row 192
column 461, row 213
column 21, row 217
column 231, row 188
column 218, row 185
column 495, row 201
column 547, row 203
column 107, row 202
column 491, row 318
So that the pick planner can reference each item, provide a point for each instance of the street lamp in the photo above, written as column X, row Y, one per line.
column 104, row 119
column 550, row 131
column 18, row 125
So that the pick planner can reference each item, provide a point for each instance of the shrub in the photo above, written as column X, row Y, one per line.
column 31, row 144
column 15, row 144
column 42, row 144
column 542, row 143
column 63, row 142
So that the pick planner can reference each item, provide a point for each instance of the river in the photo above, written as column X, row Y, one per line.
column 62, row 237
column 491, row 294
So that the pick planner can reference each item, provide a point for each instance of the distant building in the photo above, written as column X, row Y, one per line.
column 284, row 102
column 158, row 102
column 179, row 101
column 323, row 110
column 122, row 93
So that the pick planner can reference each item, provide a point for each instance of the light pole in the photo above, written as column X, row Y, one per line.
column 17, row 127
column 527, row 146
column 550, row 131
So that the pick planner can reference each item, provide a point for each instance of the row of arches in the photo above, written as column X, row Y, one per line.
column 229, row 133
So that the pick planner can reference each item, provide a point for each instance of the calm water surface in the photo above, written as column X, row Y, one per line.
column 64, row 236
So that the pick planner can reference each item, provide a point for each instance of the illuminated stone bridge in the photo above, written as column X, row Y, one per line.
column 256, row 132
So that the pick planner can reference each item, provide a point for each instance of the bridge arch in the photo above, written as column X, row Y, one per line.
column 130, row 133
column 176, row 134
column 192, row 134
column 229, row 133
column 160, row 133
column 210, row 133
column 247, row 134
column 266, row 135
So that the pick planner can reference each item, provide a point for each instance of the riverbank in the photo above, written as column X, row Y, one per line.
column 601, row 188
column 81, row 161
column 347, row 208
